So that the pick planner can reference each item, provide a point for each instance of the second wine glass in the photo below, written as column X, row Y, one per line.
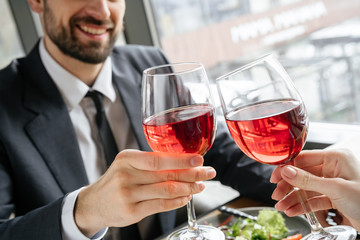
column 179, row 117
column 267, row 119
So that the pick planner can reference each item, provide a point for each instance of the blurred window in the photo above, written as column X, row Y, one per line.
column 10, row 44
column 318, row 41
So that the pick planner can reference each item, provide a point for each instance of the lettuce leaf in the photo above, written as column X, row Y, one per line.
column 269, row 226
column 273, row 222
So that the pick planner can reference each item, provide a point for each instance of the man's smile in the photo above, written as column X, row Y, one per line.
column 93, row 30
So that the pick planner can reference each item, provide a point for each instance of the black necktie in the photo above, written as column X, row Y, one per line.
column 106, row 136
column 110, row 149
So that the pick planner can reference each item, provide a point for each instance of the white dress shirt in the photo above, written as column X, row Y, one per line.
column 82, row 113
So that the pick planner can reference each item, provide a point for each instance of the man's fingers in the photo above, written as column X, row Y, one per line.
column 165, row 190
column 151, row 161
column 153, row 206
column 140, row 210
column 188, row 175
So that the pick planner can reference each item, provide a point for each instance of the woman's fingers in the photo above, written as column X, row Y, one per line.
column 276, row 175
column 281, row 190
column 310, row 158
column 306, row 181
column 294, row 208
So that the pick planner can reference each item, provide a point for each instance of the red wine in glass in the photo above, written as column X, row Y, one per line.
column 188, row 129
column 179, row 117
column 271, row 132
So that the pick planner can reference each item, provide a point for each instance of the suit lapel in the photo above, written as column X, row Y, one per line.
column 127, row 82
column 51, row 130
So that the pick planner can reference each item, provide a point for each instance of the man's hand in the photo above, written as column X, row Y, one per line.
column 139, row 184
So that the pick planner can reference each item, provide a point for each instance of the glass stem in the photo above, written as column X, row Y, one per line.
column 193, row 227
column 315, row 225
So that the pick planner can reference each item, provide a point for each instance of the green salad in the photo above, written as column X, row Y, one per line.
column 270, row 225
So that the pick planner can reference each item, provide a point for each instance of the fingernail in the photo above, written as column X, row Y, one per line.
column 201, row 185
column 289, row 172
column 278, row 207
column 196, row 161
column 287, row 213
column 272, row 196
column 271, row 180
column 211, row 173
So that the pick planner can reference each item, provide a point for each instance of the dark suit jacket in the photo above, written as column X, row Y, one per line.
column 40, row 160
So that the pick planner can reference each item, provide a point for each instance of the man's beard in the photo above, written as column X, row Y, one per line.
column 68, row 43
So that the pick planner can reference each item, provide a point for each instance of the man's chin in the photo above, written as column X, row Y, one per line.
column 93, row 52
column 91, row 55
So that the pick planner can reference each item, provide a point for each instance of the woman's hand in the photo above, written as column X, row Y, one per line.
column 330, row 178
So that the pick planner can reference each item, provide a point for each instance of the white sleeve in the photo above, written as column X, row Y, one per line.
column 69, row 229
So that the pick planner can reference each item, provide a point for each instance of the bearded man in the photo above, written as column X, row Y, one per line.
column 55, row 176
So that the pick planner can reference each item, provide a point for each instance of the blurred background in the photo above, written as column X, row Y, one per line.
column 318, row 41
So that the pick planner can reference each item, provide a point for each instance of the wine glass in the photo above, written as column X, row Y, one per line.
column 179, row 117
column 268, row 121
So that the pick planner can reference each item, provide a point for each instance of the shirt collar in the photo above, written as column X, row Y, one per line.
column 72, row 88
